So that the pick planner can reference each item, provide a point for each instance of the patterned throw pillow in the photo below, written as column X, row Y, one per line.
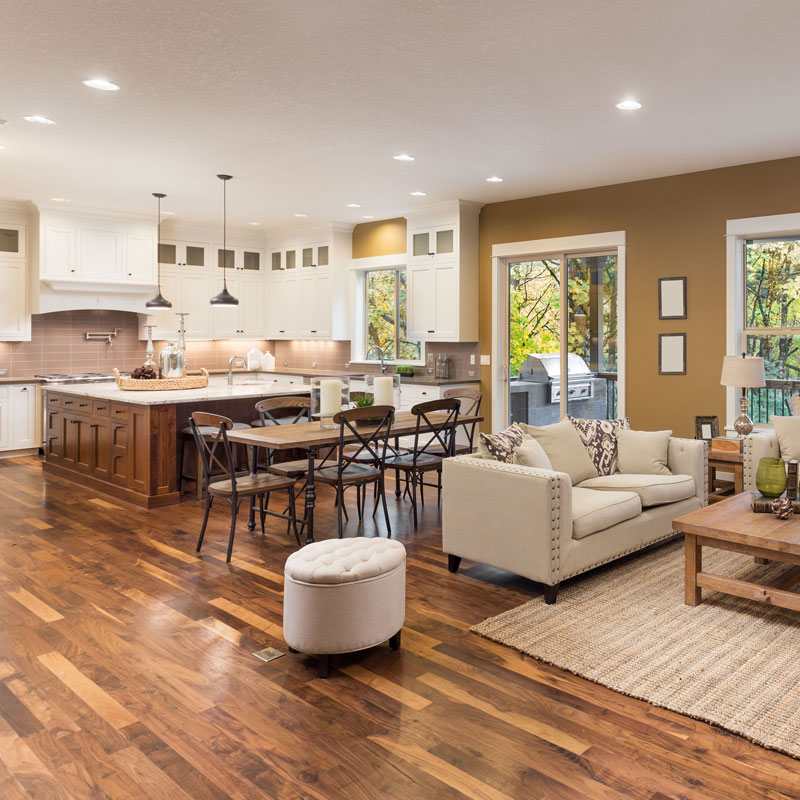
column 600, row 441
column 501, row 446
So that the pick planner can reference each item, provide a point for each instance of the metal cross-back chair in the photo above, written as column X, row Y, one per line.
column 436, row 425
column 300, row 407
column 351, row 469
column 216, row 453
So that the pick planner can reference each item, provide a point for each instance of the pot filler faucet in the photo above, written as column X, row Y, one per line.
column 230, row 367
column 381, row 354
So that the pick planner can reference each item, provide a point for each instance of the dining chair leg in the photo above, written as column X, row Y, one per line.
column 209, row 501
column 382, row 492
column 293, row 514
column 263, row 503
column 422, row 488
column 339, row 506
column 234, row 513
column 397, row 490
column 358, row 501
column 198, row 468
column 413, row 476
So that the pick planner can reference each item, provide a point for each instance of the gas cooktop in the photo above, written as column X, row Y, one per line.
column 76, row 377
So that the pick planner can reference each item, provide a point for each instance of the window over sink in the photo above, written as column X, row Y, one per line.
column 385, row 316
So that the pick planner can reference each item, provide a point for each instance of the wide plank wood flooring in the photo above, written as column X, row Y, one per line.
column 126, row 671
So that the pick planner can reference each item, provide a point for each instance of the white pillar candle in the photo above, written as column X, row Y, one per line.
column 330, row 397
column 383, row 391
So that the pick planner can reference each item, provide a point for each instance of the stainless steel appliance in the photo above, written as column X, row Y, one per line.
column 536, row 394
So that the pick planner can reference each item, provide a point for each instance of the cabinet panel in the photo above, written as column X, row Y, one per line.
column 446, row 294
column 53, row 442
column 225, row 320
column 194, row 295
column 15, row 322
column 23, row 416
column 252, row 260
column 139, row 451
column 101, row 448
column 282, row 308
column 59, row 252
column 100, row 254
column 12, row 241
column 422, row 301
column 324, row 311
column 251, row 307
column 140, row 257
column 5, row 424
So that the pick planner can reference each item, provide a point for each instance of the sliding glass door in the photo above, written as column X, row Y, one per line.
column 563, row 326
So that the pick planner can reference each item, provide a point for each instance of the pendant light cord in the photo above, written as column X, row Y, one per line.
column 158, row 245
column 225, row 234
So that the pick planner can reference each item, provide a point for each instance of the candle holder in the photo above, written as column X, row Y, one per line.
column 385, row 389
column 329, row 396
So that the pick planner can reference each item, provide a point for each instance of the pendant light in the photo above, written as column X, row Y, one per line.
column 159, row 301
column 224, row 298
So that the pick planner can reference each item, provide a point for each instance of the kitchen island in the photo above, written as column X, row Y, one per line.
column 127, row 444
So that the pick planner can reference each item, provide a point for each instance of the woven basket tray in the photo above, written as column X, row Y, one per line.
column 162, row 384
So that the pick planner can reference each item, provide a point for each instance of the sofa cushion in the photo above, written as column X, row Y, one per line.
column 594, row 511
column 501, row 446
column 564, row 448
column 788, row 432
column 531, row 454
column 599, row 440
column 653, row 490
column 642, row 452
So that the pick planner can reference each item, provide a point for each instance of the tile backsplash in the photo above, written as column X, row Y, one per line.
column 58, row 344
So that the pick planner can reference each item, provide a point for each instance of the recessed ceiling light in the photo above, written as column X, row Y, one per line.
column 629, row 105
column 403, row 157
column 40, row 119
column 368, row 216
column 354, row 205
column 417, row 194
column 99, row 83
column 59, row 199
column 2, row 147
column 301, row 215
column 168, row 213
column 254, row 223
column 495, row 179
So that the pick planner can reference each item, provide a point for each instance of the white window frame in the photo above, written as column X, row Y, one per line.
column 534, row 250
column 737, row 232
column 359, row 268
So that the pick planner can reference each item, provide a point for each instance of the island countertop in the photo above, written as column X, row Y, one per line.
column 216, row 390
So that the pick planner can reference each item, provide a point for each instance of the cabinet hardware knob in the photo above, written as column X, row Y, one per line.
column 431, row 254
column 94, row 426
column 431, row 331
column 24, row 389
column 118, row 427
column 100, row 408
column 72, row 270
column 117, row 456
column 313, row 331
column 68, row 402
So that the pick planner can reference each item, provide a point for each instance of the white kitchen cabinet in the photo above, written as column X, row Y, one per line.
column 12, row 241
column 315, row 312
column 189, row 256
column 22, row 418
column 239, row 259
column 140, row 258
column 194, row 294
column 15, row 322
column 245, row 321
column 315, row 256
column 443, row 272
column 282, row 304
column 60, row 255
column 165, row 320
column 100, row 254
column 284, row 259
column 18, row 417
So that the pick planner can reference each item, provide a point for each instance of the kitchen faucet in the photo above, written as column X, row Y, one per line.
column 382, row 355
column 230, row 367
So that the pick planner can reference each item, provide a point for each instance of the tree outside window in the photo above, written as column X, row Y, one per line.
column 387, row 315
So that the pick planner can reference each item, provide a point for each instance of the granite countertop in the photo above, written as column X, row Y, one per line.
column 423, row 380
column 4, row 379
column 216, row 390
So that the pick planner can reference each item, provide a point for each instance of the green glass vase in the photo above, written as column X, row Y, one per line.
column 771, row 477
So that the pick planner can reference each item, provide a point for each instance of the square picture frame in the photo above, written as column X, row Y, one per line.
column 672, row 298
column 671, row 353
column 706, row 428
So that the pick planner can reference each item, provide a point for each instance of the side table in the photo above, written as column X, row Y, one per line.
column 724, row 462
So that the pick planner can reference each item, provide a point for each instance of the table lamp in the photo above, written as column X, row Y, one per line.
column 747, row 373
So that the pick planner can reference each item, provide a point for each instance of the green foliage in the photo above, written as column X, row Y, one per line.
column 362, row 399
column 535, row 306
column 387, row 317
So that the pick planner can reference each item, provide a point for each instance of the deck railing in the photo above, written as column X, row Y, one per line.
column 774, row 399
column 611, row 393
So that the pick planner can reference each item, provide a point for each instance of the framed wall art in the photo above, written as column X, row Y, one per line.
column 672, row 298
column 671, row 353
column 706, row 428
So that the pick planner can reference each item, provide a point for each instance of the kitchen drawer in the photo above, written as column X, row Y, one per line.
column 101, row 408
column 119, row 436
column 76, row 405
column 120, row 412
column 53, row 400
column 418, row 394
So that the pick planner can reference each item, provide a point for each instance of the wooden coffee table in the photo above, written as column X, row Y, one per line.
column 731, row 525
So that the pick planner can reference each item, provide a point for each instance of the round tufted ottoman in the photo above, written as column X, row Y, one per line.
column 342, row 595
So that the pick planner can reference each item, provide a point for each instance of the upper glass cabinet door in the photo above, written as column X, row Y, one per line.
column 12, row 240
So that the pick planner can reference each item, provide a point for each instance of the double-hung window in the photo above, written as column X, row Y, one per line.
column 386, row 316
column 772, row 319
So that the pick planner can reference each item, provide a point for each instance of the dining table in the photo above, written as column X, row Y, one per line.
column 312, row 437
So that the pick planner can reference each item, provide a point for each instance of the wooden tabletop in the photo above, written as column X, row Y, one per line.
column 732, row 520
column 724, row 455
column 309, row 434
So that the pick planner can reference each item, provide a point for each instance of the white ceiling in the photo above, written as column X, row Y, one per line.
column 306, row 101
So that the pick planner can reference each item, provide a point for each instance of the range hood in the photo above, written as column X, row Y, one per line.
column 54, row 295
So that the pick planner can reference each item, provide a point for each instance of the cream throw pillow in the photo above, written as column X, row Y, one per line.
column 642, row 452
column 788, row 431
column 531, row 454
column 564, row 448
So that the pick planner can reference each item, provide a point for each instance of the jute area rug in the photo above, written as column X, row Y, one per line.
column 732, row 662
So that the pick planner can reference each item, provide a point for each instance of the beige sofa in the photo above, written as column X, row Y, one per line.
column 755, row 447
column 534, row 523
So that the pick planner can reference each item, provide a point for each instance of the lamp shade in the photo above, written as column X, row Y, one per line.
column 745, row 372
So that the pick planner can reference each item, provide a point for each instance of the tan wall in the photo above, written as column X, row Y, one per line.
column 675, row 226
column 384, row 237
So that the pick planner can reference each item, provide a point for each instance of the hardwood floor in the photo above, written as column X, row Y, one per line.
column 126, row 671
